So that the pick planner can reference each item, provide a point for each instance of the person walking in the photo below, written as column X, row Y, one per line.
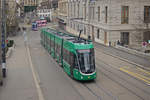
column 24, row 35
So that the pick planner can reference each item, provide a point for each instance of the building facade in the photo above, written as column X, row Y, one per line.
column 110, row 21
column 44, row 12
column 49, row 4
column 30, row 2
column 62, row 13
column 48, row 8
column 29, row 5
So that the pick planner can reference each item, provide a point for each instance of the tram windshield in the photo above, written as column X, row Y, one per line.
column 86, row 60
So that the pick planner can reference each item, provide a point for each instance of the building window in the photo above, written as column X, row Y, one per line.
column 74, row 10
column 98, row 33
column 98, row 13
column 84, row 30
column 78, row 28
column 78, row 10
column 124, row 15
column 74, row 26
column 147, row 14
column 71, row 24
column 93, row 11
column 90, row 13
column 85, row 11
column 124, row 39
column 106, row 15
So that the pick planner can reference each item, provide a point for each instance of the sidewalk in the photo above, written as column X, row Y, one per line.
column 19, row 83
column 132, row 51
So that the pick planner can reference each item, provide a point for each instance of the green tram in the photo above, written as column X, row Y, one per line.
column 74, row 54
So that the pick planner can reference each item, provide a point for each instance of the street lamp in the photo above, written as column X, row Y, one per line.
column 3, row 45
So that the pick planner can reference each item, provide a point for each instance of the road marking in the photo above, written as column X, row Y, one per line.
column 141, row 77
column 35, row 76
column 144, row 71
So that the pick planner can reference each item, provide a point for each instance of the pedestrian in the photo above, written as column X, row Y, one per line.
column 25, row 35
column 118, row 42
column 144, row 44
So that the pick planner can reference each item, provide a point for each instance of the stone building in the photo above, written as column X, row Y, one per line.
column 62, row 13
column 109, row 21
column 29, row 5
column 30, row 2
column 49, row 4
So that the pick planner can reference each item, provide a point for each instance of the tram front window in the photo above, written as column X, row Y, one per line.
column 86, row 61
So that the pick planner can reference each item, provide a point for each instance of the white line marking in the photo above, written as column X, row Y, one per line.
column 35, row 76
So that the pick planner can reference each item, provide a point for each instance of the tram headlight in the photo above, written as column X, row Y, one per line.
column 81, row 77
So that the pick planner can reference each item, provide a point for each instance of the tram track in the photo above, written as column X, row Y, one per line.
column 123, row 59
column 121, row 81
column 90, row 90
column 131, row 74
column 101, row 89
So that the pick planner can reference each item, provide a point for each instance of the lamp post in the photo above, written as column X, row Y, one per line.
column 3, row 45
column 1, row 78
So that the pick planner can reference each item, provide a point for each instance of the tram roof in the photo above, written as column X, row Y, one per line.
column 70, row 38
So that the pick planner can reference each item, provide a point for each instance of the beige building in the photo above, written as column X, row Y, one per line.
column 30, row 2
column 62, row 7
column 62, row 13
column 109, row 21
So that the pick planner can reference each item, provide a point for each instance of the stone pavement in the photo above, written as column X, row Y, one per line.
column 19, row 83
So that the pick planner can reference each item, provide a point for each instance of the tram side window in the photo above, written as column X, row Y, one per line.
column 49, row 41
column 71, row 59
column 52, row 43
column 59, row 50
column 68, row 59
column 92, row 58
column 56, row 47
column 75, row 63
column 46, row 39
column 66, row 55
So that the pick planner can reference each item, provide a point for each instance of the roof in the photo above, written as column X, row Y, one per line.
column 68, row 37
